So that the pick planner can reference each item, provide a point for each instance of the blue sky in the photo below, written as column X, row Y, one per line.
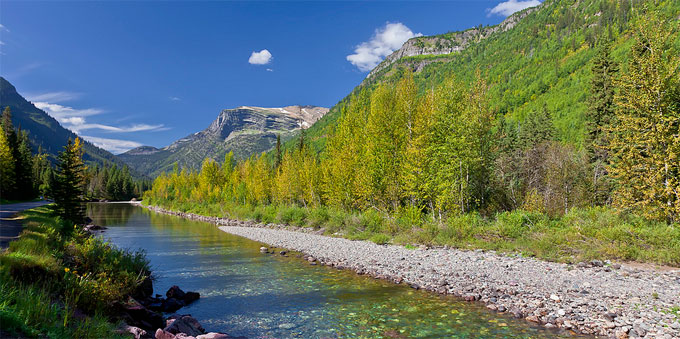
column 124, row 74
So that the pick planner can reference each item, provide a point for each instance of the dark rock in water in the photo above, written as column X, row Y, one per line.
column 88, row 220
column 135, row 314
column 190, row 297
column 172, row 305
column 175, row 292
column 144, row 290
column 184, row 324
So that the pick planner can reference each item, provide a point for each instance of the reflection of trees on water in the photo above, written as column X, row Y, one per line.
column 105, row 214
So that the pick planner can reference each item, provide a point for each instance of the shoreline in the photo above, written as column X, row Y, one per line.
column 611, row 300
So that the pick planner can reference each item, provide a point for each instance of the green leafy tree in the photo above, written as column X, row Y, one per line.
column 645, row 146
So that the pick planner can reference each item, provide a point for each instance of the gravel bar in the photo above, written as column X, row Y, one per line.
column 599, row 298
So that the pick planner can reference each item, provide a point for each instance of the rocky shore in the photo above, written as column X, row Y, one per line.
column 599, row 298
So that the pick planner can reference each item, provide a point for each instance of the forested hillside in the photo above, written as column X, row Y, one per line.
column 45, row 132
column 544, row 60
column 553, row 138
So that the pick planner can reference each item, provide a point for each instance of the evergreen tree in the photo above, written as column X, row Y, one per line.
column 6, row 168
column 278, row 151
column 69, row 186
column 9, row 135
column 599, row 116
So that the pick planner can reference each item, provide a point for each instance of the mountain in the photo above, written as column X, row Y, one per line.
column 46, row 132
column 245, row 130
column 539, row 57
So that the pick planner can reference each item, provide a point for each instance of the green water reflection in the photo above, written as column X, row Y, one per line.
column 248, row 293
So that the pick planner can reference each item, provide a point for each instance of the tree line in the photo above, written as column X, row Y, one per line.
column 444, row 151
column 25, row 175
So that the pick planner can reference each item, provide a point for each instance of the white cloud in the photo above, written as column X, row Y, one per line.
column 262, row 57
column 270, row 70
column 74, row 119
column 115, row 146
column 58, row 111
column 3, row 28
column 175, row 99
column 386, row 40
column 80, row 125
column 53, row 97
column 511, row 6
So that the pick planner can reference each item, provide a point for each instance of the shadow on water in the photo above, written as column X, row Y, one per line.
column 244, row 292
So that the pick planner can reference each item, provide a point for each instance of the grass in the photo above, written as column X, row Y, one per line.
column 583, row 234
column 54, row 272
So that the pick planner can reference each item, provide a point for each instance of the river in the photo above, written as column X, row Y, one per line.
column 245, row 292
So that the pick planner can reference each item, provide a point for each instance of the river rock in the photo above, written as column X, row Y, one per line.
column 172, row 304
column 136, row 332
column 184, row 324
column 161, row 334
column 190, row 297
column 287, row 326
column 135, row 314
column 144, row 290
column 175, row 292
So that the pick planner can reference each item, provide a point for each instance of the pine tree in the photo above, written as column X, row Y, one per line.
column 10, row 140
column 69, row 186
column 599, row 116
column 6, row 168
column 278, row 151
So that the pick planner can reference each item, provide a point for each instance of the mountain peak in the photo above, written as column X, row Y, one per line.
column 245, row 130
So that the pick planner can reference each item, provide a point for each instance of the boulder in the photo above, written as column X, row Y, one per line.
column 136, row 314
column 185, row 324
column 175, row 292
column 144, row 290
column 161, row 334
column 136, row 332
column 190, row 297
column 172, row 304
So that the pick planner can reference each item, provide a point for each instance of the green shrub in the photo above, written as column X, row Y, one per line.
column 380, row 238
column 293, row 215
column 318, row 217
column 372, row 221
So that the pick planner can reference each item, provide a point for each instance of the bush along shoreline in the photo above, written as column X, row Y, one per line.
column 596, row 297
column 62, row 280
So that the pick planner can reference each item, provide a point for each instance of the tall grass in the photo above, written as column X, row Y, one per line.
column 54, row 271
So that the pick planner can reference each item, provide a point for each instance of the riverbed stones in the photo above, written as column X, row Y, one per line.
column 524, row 286
column 184, row 324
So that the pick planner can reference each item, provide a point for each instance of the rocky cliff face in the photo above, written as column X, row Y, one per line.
column 244, row 130
column 450, row 42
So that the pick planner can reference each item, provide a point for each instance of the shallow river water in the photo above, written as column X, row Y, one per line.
column 245, row 292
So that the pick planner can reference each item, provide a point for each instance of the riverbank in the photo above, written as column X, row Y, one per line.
column 608, row 299
column 59, row 280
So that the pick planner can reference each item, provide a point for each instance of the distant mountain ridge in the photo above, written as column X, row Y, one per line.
column 44, row 131
column 245, row 130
